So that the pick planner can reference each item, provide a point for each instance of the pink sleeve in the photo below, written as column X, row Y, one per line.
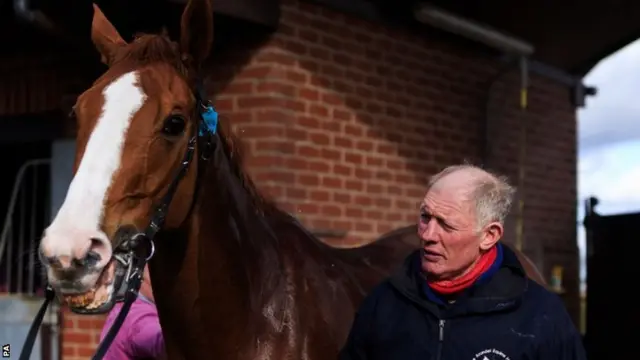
column 120, row 348
column 146, row 336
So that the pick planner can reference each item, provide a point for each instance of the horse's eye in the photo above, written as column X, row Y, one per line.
column 174, row 125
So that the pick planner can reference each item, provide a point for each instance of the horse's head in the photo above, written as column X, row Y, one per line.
column 135, row 125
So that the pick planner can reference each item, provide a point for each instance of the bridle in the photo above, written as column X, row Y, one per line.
column 131, row 252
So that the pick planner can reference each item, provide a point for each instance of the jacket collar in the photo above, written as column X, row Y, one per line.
column 501, row 292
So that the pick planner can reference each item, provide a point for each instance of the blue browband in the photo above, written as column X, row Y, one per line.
column 209, row 122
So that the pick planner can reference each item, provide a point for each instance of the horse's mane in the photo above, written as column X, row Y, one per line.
column 147, row 49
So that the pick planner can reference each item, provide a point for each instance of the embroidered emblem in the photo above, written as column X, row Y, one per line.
column 491, row 354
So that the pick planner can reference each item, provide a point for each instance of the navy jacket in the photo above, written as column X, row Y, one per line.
column 505, row 317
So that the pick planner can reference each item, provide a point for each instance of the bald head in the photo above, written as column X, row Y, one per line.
column 491, row 195
column 458, row 177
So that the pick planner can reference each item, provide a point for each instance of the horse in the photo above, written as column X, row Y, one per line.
column 234, row 276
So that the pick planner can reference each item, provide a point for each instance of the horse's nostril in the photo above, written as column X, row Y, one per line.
column 91, row 259
column 50, row 260
column 77, row 263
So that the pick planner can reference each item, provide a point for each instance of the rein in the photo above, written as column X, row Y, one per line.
column 129, row 252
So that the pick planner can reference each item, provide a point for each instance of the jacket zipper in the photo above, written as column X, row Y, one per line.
column 440, row 338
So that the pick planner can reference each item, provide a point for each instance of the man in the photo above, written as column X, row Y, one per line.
column 463, row 295
column 140, row 336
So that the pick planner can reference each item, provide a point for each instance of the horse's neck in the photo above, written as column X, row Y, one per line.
column 210, row 283
column 258, row 292
column 199, row 289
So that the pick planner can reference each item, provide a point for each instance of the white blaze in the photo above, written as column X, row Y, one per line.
column 83, row 208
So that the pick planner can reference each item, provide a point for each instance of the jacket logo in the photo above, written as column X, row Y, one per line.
column 491, row 354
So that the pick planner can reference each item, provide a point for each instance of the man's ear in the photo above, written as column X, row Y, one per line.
column 491, row 234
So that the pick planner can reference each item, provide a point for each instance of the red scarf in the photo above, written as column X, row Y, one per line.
column 447, row 287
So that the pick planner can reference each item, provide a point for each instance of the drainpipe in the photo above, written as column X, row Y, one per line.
column 523, row 64
column 485, row 129
column 522, row 168
column 510, row 46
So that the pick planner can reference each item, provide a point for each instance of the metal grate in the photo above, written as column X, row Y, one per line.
column 25, row 219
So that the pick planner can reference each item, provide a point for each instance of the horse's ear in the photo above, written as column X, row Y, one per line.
column 196, row 31
column 105, row 37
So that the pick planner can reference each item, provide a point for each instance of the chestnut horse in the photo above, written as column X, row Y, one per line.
column 234, row 276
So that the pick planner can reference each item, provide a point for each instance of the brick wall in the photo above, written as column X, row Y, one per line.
column 79, row 335
column 344, row 121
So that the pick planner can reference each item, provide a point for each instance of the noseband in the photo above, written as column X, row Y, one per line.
column 136, row 251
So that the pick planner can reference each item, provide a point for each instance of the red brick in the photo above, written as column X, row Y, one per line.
column 69, row 351
column 277, row 88
column 77, row 337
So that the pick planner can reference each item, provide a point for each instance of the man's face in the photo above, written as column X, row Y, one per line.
column 447, row 229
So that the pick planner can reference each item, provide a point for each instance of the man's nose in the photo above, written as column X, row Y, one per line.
column 427, row 229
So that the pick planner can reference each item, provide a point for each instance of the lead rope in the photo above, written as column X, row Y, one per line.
column 25, row 353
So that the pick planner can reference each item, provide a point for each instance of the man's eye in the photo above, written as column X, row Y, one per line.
column 445, row 226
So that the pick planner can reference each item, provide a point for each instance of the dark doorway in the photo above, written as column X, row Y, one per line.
column 612, row 274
